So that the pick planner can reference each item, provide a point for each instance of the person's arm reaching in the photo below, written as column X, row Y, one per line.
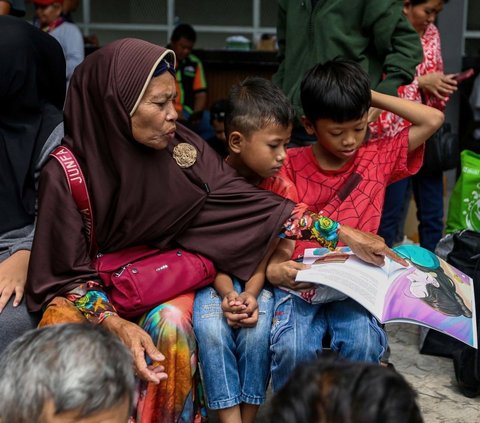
column 425, row 120
column 396, row 40
column 305, row 224
column 367, row 246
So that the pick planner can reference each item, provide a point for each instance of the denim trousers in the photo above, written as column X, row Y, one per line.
column 299, row 328
column 235, row 363
column 428, row 195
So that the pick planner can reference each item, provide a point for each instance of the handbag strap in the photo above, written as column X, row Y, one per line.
column 78, row 189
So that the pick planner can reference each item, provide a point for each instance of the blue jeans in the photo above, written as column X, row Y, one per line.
column 299, row 328
column 428, row 194
column 235, row 363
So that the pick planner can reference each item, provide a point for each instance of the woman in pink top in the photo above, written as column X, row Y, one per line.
column 432, row 87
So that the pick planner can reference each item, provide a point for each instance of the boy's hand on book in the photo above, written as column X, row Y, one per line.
column 284, row 274
column 367, row 246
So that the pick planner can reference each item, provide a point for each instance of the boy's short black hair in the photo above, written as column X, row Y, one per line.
column 255, row 103
column 184, row 31
column 332, row 389
column 338, row 90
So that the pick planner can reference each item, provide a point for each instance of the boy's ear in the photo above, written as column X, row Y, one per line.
column 308, row 126
column 234, row 142
column 406, row 5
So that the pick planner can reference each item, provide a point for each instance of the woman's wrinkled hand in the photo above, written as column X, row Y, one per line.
column 140, row 344
column 367, row 246
column 13, row 276
column 284, row 274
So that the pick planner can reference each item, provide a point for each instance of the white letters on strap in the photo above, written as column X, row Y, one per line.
column 76, row 183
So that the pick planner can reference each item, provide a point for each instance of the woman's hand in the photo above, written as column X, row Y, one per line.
column 13, row 275
column 367, row 246
column 284, row 274
column 438, row 84
column 139, row 343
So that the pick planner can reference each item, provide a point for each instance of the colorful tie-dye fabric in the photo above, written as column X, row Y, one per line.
column 177, row 399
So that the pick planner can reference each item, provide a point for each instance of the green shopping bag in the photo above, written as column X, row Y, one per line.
column 464, row 204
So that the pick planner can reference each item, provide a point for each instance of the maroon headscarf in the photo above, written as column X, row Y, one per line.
column 140, row 195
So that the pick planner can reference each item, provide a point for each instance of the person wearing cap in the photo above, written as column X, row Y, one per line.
column 50, row 19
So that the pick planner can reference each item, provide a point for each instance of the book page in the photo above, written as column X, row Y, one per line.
column 429, row 292
column 433, row 293
column 342, row 270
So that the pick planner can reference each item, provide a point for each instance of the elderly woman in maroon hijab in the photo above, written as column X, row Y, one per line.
column 120, row 122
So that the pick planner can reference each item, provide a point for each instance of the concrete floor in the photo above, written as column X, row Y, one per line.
column 432, row 377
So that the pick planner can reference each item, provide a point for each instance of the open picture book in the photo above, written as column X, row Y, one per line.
column 429, row 292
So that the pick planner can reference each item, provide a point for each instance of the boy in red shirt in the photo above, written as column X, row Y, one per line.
column 232, row 318
column 342, row 176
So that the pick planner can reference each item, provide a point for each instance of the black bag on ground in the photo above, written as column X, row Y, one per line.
column 433, row 342
column 465, row 256
column 441, row 151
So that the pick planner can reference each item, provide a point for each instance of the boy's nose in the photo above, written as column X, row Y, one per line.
column 281, row 156
column 349, row 140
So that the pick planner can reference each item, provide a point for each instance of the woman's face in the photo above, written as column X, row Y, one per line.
column 153, row 123
column 423, row 14
column 48, row 14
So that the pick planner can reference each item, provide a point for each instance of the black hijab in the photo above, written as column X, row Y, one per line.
column 32, row 92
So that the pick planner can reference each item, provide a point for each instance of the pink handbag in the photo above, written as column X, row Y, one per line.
column 138, row 278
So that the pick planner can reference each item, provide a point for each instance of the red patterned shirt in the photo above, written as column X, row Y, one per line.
column 388, row 123
column 376, row 164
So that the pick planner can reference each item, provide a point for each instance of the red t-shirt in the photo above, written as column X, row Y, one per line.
column 376, row 164
column 280, row 185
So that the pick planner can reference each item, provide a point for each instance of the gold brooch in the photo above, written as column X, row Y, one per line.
column 185, row 154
